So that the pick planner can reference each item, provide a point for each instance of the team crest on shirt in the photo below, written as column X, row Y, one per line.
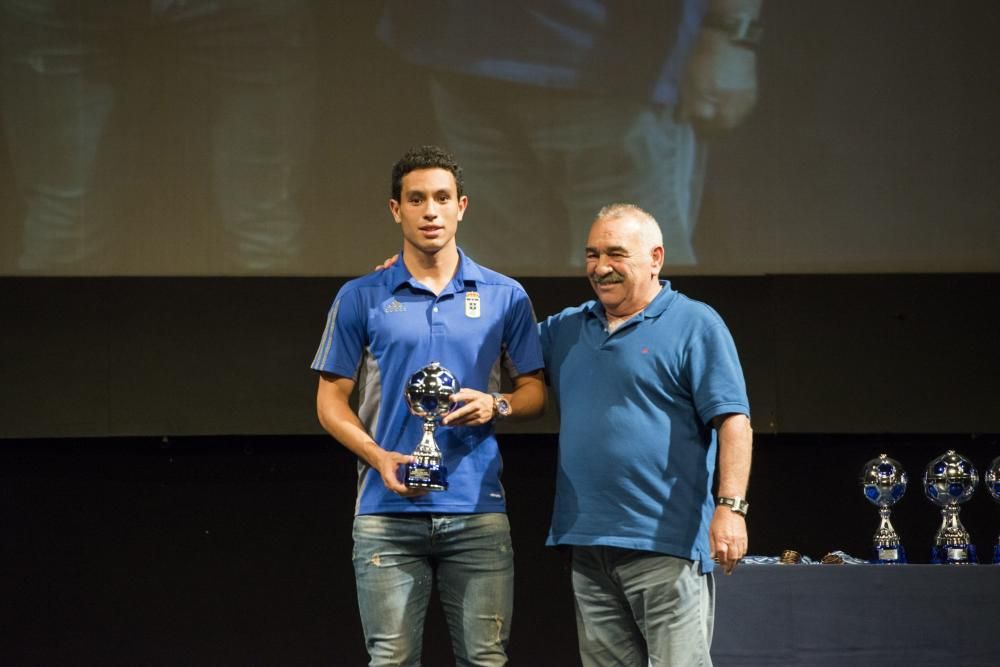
column 472, row 304
column 394, row 306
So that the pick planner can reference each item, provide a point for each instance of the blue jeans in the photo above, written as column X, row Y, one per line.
column 639, row 608
column 396, row 560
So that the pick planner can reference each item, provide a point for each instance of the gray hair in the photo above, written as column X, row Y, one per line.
column 650, row 229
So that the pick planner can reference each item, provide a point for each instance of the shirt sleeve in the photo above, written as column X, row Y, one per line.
column 523, row 349
column 715, row 374
column 344, row 337
column 545, row 338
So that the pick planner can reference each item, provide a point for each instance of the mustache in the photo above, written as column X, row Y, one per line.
column 609, row 279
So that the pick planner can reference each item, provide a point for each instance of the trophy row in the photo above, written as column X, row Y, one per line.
column 949, row 481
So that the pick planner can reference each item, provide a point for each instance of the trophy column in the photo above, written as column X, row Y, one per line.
column 949, row 481
column 884, row 483
column 428, row 394
column 428, row 471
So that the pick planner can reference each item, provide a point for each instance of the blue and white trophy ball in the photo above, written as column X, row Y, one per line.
column 884, row 481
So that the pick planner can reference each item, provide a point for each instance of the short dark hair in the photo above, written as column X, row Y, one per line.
column 425, row 157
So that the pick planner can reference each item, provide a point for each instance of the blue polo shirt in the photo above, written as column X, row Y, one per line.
column 385, row 326
column 636, row 448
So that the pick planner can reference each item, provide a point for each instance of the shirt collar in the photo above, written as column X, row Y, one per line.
column 654, row 308
column 661, row 301
column 468, row 275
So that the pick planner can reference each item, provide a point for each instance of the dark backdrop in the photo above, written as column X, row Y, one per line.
column 214, row 356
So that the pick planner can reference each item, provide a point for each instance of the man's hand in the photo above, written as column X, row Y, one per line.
column 719, row 86
column 388, row 467
column 387, row 263
column 476, row 409
column 727, row 538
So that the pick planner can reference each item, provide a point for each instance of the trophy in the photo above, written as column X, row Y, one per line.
column 428, row 394
column 992, row 478
column 884, row 483
column 949, row 481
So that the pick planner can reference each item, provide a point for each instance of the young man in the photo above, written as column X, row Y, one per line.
column 651, row 393
column 434, row 305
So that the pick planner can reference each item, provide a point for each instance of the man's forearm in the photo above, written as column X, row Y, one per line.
column 527, row 400
column 342, row 423
column 348, row 431
column 735, row 451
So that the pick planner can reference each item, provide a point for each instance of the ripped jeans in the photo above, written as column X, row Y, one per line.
column 396, row 561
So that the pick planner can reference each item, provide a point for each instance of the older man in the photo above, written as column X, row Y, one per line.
column 651, row 395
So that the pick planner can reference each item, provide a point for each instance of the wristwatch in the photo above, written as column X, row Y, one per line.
column 501, row 407
column 736, row 504
column 742, row 29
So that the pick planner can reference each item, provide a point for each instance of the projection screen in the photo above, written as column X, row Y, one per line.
column 256, row 137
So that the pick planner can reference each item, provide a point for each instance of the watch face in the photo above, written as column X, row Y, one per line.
column 738, row 505
column 503, row 407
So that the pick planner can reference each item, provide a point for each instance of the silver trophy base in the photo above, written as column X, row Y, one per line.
column 430, row 476
column 889, row 555
column 954, row 554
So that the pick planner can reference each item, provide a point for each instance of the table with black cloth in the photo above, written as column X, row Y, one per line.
column 858, row 615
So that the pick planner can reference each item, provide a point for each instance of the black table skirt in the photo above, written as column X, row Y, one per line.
column 858, row 615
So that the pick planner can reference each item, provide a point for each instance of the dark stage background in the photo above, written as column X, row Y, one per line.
column 94, row 357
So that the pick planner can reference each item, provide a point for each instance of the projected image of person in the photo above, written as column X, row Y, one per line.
column 66, row 68
column 435, row 304
column 559, row 106
column 651, row 395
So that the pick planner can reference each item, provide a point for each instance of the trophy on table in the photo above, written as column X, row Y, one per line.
column 884, row 483
column 949, row 481
column 992, row 479
column 428, row 394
